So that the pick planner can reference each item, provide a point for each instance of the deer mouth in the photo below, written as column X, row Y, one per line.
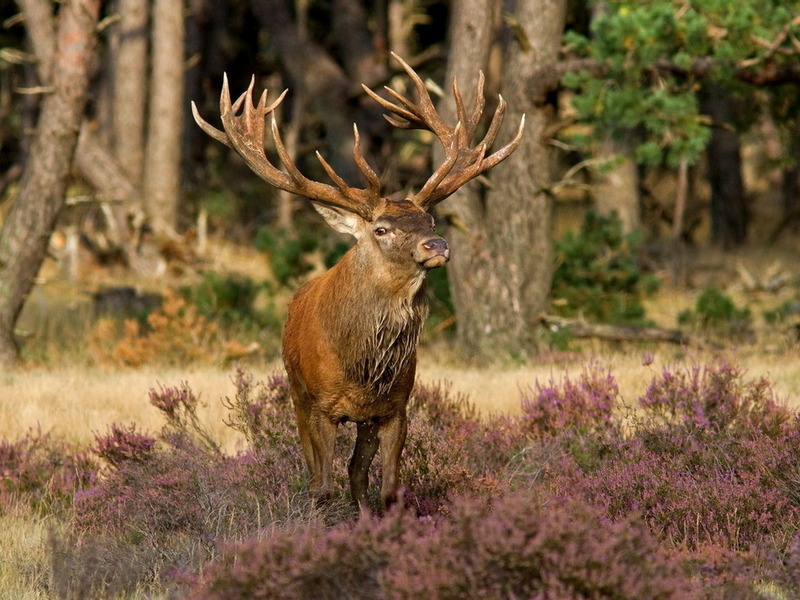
column 437, row 260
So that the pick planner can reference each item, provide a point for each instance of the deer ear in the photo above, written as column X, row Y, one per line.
column 339, row 219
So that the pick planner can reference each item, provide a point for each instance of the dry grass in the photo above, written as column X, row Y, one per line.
column 72, row 402
column 23, row 555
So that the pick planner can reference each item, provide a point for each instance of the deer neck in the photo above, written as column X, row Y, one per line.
column 379, row 329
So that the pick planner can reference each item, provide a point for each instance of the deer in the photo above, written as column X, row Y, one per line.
column 351, row 335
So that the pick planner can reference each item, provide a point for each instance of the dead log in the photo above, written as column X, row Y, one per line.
column 617, row 333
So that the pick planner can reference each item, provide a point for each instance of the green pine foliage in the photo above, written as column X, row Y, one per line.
column 653, row 56
column 597, row 273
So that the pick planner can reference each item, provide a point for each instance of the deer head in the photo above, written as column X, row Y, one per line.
column 351, row 336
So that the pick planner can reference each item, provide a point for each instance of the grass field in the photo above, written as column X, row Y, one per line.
column 74, row 401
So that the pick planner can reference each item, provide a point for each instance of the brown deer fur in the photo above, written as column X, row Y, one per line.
column 351, row 336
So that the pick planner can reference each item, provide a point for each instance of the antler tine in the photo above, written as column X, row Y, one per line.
column 411, row 120
column 215, row 133
column 470, row 122
column 369, row 174
column 451, row 156
column 496, row 123
column 504, row 152
column 244, row 126
column 462, row 162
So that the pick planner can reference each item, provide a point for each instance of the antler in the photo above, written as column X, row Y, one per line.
column 244, row 131
column 461, row 163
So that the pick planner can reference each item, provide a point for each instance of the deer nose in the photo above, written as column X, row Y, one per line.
column 437, row 245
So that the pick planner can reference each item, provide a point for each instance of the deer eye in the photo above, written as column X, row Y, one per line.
column 379, row 231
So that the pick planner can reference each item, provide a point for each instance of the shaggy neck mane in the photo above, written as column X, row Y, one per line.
column 377, row 339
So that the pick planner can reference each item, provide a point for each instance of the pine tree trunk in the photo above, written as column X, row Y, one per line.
column 729, row 217
column 30, row 220
column 616, row 190
column 130, row 87
column 501, row 270
column 163, row 154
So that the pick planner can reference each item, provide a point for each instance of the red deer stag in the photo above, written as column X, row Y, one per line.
column 350, row 341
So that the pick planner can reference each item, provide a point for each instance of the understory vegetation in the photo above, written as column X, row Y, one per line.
column 690, row 491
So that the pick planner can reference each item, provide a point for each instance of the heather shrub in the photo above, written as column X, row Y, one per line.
column 122, row 444
column 178, row 405
column 717, row 398
column 450, row 450
column 42, row 472
column 521, row 546
column 712, row 461
column 691, row 497
column 574, row 407
column 262, row 412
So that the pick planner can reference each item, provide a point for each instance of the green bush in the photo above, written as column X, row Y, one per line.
column 597, row 273
column 231, row 300
column 715, row 313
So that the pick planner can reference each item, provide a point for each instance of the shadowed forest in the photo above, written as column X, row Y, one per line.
column 607, row 398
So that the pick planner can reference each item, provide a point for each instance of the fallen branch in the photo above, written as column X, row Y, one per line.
column 618, row 333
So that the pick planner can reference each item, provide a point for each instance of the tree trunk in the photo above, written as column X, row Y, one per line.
column 129, row 83
column 33, row 213
column 163, row 155
column 322, row 79
column 728, row 206
column 501, row 270
column 93, row 160
column 616, row 190
column 355, row 43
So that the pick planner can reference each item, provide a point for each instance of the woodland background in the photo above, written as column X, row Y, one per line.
column 674, row 123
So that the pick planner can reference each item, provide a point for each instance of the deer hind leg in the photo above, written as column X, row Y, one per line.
column 317, row 436
column 392, row 437
column 358, row 469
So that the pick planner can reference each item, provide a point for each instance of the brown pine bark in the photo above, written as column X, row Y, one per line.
column 33, row 213
column 163, row 154
column 501, row 270
column 130, row 87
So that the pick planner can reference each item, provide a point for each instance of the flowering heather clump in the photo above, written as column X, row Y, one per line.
column 179, row 406
column 579, row 406
column 121, row 444
column 715, row 397
column 690, row 497
column 262, row 412
column 179, row 493
column 559, row 502
column 42, row 472
column 449, row 449
column 712, row 462
column 520, row 547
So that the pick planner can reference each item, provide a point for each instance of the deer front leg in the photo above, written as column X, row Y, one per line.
column 317, row 436
column 358, row 469
column 392, row 437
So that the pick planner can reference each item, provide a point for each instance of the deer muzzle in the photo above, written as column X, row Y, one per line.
column 433, row 253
